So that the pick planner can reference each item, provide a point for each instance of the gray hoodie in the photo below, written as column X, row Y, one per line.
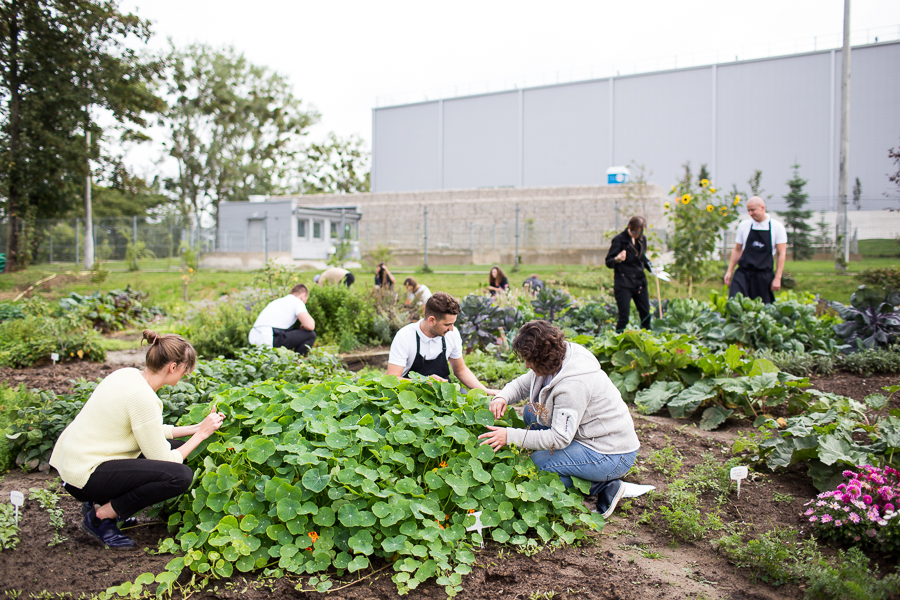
column 580, row 402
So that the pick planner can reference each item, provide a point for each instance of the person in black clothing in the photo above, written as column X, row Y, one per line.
column 497, row 281
column 627, row 256
column 384, row 278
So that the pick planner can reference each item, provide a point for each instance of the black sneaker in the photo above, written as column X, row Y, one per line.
column 122, row 523
column 105, row 531
column 608, row 496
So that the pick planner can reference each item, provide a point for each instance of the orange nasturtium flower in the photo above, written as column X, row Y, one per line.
column 439, row 524
column 313, row 536
column 471, row 510
column 443, row 464
column 709, row 208
column 686, row 199
column 704, row 182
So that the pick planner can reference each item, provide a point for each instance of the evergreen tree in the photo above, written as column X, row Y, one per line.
column 704, row 174
column 795, row 218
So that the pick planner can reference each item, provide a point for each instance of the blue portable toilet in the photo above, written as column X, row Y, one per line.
column 617, row 175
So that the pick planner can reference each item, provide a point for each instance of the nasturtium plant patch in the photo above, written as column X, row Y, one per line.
column 309, row 478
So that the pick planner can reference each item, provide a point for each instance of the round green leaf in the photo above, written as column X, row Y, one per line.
column 315, row 481
column 260, row 450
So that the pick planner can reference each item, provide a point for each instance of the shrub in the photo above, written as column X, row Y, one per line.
column 590, row 318
column 221, row 328
column 343, row 316
column 872, row 360
column 24, row 342
column 776, row 557
column 850, row 579
column 800, row 364
column 111, row 311
column 888, row 277
column 863, row 511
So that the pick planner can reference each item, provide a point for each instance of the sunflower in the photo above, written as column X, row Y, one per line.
column 667, row 206
column 709, row 208
column 686, row 199
column 673, row 189
column 737, row 200
column 704, row 182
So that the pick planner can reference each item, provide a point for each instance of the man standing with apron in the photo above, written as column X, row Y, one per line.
column 759, row 238
column 431, row 346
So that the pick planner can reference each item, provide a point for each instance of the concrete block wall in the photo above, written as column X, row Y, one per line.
column 556, row 224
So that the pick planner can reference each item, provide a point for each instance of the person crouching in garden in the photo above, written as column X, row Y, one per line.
column 578, row 424
column 117, row 456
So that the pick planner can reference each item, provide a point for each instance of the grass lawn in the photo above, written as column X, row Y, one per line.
column 884, row 248
column 165, row 286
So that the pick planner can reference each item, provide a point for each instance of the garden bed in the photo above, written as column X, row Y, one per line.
column 59, row 378
column 625, row 561
column 631, row 558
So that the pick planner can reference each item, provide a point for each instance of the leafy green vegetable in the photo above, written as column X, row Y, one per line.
column 378, row 468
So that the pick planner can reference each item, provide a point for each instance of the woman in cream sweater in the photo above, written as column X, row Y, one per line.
column 117, row 456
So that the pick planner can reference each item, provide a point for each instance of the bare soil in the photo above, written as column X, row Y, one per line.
column 626, row 560
column 61, row 378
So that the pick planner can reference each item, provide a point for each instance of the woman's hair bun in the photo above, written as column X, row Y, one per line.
column 150, row 336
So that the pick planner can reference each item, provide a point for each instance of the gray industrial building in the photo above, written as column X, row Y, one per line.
column 734, row 117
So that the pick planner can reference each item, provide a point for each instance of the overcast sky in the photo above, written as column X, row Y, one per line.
column 344, row 55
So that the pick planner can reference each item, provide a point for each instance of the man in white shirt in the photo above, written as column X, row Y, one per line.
column 417, row 294
column 427, row 346
column 273, row 325
column 759, row 238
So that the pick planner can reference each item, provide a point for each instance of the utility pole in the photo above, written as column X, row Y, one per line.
column 88, row 219
column 843, row 178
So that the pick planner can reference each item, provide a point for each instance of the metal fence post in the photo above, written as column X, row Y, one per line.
column 425, row 247
column 516, row 261
column 134, row 240
column 51, row 245
column 472, row 239
column 77, row 241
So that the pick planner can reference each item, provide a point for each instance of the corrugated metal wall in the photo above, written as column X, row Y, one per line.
column 736, row 117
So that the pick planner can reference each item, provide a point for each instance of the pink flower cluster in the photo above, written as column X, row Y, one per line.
column 865, row 505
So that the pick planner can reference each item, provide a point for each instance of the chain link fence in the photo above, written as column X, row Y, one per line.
column 45, row 241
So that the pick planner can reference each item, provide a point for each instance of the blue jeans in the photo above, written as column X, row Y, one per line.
column 578, row 460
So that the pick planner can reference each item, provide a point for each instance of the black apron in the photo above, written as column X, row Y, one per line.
column 755, row 273
column 436, row 366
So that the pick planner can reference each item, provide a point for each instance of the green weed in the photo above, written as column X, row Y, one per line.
column 667, row 461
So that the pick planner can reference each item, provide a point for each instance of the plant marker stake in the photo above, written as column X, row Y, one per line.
column 18, row 500
column 54, row 357
column 478, row 525
column 738, row 473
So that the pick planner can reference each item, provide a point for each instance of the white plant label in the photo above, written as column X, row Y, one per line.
column 477, row 526
column 17, row 499
column 738, row 473
column 54, row 357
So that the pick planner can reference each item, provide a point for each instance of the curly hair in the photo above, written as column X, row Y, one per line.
column 542, row 345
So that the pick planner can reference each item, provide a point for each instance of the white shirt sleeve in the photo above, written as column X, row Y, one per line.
column 742, row 231
column 454, row 344
column 299, row 306
column 400, row 348
column 779, row 233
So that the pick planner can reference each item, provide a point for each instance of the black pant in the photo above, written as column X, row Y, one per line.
column 641, row 298
column 348, row 279
column 132, row 485
column 298, row 340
